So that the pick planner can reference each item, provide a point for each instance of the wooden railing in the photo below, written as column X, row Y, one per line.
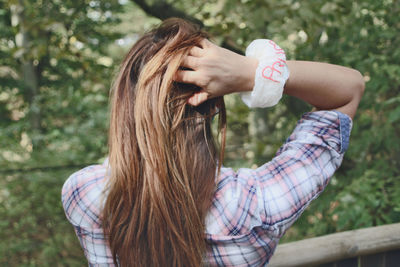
column 370, row 247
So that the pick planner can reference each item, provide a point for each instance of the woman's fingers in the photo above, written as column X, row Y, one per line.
column 186, row 76
column 198, row 98
column 205, row 43
column 196, row 51
column 190, row 62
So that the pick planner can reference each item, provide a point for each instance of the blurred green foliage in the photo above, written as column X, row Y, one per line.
column 57, row 61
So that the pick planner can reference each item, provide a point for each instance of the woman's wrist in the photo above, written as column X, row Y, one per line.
column 247, row 69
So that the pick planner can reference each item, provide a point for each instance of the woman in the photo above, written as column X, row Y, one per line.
column 162, row 198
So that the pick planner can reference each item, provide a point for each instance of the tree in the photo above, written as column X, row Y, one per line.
column 55, row 74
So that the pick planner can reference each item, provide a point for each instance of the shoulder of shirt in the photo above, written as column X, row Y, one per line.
column 82, row 195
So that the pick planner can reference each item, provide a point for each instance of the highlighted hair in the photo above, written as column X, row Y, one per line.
column 162, row 155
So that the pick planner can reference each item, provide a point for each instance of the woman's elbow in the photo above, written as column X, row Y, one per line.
column 358, row 85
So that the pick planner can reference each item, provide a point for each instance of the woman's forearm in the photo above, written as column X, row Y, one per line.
column 325, row 86
column 219, row 71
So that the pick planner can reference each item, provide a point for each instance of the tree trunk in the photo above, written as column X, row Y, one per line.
column 28, row 69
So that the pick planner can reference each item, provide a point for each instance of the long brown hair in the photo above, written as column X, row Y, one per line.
column 162, row 155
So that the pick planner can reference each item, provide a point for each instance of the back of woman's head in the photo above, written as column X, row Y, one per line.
column 162, row 155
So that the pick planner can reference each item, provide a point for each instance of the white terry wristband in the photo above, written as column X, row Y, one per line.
column 271, row 74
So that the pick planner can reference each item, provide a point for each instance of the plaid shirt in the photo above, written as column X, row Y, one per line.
column 252, row 208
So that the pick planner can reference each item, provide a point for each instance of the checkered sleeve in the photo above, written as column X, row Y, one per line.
column 82, row 202
column 302, row 168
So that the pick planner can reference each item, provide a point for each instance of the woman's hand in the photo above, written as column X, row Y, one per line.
column 217, row 71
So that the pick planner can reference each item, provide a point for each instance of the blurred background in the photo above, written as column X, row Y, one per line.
column 58, row 59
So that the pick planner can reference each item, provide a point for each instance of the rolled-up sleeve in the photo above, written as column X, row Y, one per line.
column 302, row 168
column 274, row 195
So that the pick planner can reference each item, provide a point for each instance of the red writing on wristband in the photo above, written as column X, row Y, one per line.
column 268, row 71
column 277, row 49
